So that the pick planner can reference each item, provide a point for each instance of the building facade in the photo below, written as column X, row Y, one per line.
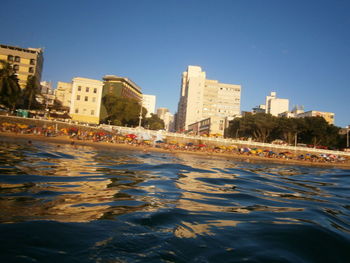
column 86, row 100
column 26, row 62
column 121, row 87
column 213, row 126
column 47, row 92
column 328, row 116
column 276, row 106
column 63, row 93
column 201, row 98
column 149, row 102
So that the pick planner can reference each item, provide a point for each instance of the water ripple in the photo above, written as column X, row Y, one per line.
column 120, row 206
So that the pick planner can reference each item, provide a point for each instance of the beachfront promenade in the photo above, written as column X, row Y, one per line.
column 170, row 136
column 223, row 141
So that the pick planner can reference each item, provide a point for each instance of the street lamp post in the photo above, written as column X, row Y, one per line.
column 140, row 116
column 347, row 136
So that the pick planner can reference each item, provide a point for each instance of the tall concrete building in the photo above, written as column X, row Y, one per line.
column 121, row 87
column 201, row 98
column 25, row 62
column 276, row 106
column 149, row 102
column 63, row 93
column 86, row 100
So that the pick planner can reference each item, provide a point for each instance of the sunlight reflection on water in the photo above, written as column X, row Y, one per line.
column 161, row 207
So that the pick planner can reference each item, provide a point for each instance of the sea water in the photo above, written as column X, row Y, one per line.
column 82, row 204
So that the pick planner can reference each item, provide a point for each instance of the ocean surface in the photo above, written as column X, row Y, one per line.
column 83, row 204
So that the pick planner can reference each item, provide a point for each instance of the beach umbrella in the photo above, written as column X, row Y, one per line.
column 189, row 144
column 131, row 136
column 159, row 141
column 201, row 145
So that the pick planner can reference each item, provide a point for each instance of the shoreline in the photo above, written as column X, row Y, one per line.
column 13, row 137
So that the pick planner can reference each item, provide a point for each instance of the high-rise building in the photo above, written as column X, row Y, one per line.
column 121, row 87
column 25, row 62
column 63, row 93
column 201, row 98
column 86, row 100
column 149, row 102
column 275, row 106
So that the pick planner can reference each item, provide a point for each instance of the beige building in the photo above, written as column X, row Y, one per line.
column 328, row 116
column 201, row 98
column 86, row 100
column 149, row 102
column 213, row 126
column 276, row 106
column 25, row 62
column 63, row 93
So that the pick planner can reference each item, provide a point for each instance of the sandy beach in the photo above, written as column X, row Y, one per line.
column 24, row 138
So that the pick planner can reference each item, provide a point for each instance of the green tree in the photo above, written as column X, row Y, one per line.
column 286, row 129
column 154, row 122
column 263, row 126
column 122, row 111
column 9, row 87
column 30, row 93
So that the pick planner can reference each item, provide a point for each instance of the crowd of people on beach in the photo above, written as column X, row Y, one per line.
column 137, row 140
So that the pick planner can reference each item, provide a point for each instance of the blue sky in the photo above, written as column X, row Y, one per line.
column 300, row 49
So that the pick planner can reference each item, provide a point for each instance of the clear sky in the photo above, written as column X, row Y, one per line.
column 299, row 48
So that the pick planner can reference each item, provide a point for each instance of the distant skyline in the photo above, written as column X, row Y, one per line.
column 299, row 49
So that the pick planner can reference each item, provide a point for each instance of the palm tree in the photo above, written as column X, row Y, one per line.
column 9, row 87
column 30, row 92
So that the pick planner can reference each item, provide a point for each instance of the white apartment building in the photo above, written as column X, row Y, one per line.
column 149, row 102
column 63, row 93
column 167, row 117
column 201, row 98
column 275, row 106
column 47, row 94
column 86, row 100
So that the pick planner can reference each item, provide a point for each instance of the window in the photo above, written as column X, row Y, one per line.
column 79, row 88
column 87, row 89
column 31, row 70
column 15, row 67
column 86, row 98
column 78, row 97
column 93, row 99
column 17, row 59
column 32, row 61
column 76, row 110
column 92, row 112
column 95, row 90
column 10, row 58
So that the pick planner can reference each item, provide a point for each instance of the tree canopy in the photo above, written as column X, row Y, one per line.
column 267, row 128
column 9, row 87
column 154, row 122
column 122, row 111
